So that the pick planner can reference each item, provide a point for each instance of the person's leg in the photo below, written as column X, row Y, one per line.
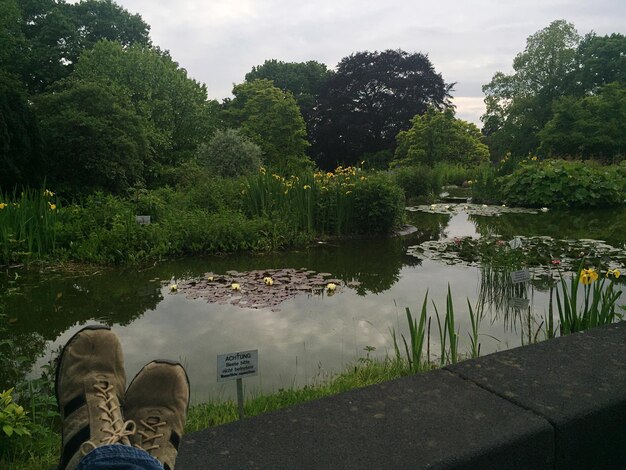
column 90, row 382
column 118, row 457
column 157, row 401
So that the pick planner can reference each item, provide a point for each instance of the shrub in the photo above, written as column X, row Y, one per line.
column 559, row 183
column 229, row 153
column 417, row 181
column 378, row 205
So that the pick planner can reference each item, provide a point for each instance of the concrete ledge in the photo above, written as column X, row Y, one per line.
column 557, row 404
column 577, row 383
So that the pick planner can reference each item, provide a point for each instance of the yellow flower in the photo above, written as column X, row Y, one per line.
column 210, row 278
column 48, row 193
column 533, row 158
column 235, row 286
column 268, row 281
column 616, row 273
column 348, row 192
column 362, row 178
column 587, row 276
column 52, row 206
column 173, row 287
column 3, row 205
column 306, row 186
column 262, row 170
column 331, row 286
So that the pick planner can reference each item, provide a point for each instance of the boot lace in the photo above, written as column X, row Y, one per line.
column 114, row 427
column 150, row 433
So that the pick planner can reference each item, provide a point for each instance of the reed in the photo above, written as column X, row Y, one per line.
column 27, row 225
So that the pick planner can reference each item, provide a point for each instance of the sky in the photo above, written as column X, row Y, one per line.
column 467, row 41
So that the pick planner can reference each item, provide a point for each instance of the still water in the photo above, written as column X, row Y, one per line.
column 306, row 337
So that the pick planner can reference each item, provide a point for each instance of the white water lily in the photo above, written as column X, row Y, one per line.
column 544, row 209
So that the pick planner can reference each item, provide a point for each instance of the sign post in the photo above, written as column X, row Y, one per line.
column 236, row 366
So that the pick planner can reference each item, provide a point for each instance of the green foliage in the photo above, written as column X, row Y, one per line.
column 589, row 127
column 271, row 119
column 437, row 136
column 518, row 105
column 558, row 183
column 173, row 108
column 230, row 154
column 378, row 205
column 13, row 419
column 370, row 98
column 304, row 80
column 93, row 138
column 56, row 33
column 417, row 181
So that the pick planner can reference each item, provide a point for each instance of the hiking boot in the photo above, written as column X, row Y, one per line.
column 89, row 383
column 157, row 400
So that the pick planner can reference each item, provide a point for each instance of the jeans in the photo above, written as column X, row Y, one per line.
column 118, row 457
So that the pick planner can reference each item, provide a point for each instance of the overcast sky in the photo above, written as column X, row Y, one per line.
column 219, row 41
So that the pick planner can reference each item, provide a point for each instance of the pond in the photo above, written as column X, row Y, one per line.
column 312, row 333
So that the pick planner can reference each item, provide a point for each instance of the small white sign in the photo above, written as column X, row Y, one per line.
column 520, row 276
column 518, row 303
column 237, row 365
column 143, row 219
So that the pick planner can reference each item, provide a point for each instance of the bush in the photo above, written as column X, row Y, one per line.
column 378, row 205
column 417, row 181
column 229, row 153
column 559, row 183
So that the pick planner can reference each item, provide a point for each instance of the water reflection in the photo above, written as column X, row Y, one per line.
column 308, row 337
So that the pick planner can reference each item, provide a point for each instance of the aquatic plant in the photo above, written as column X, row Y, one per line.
column 28, row 225
column 599, row 298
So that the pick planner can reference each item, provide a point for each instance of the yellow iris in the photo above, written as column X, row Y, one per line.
column 52, row 206
column 3, row 205
column 616, row 273
column 587, row 276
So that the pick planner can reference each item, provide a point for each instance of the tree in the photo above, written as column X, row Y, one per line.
column 230, row 154
column 174, row 107
column 519, row 105
column 602, row 60
column 304, row 80
column 437, row 136
column 369, row 99
column 593, row 126
column 94, row 139
column 58, row 32
column 20, row 142
column 271, row 118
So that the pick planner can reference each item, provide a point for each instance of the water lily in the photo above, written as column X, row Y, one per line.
column 268, row 281
column 236, row 287
column 544, row 209
column 173, row 287
column 484, row 206
column 210, row 278
column 331, row 286
column 555, row 262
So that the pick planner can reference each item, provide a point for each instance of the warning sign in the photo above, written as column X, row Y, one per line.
column 237, row 365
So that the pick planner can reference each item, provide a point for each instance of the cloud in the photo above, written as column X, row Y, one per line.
column 218, row 42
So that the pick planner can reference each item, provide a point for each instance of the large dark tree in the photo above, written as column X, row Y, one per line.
column 602, row 60
column 20, row 144
column 370, row 98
